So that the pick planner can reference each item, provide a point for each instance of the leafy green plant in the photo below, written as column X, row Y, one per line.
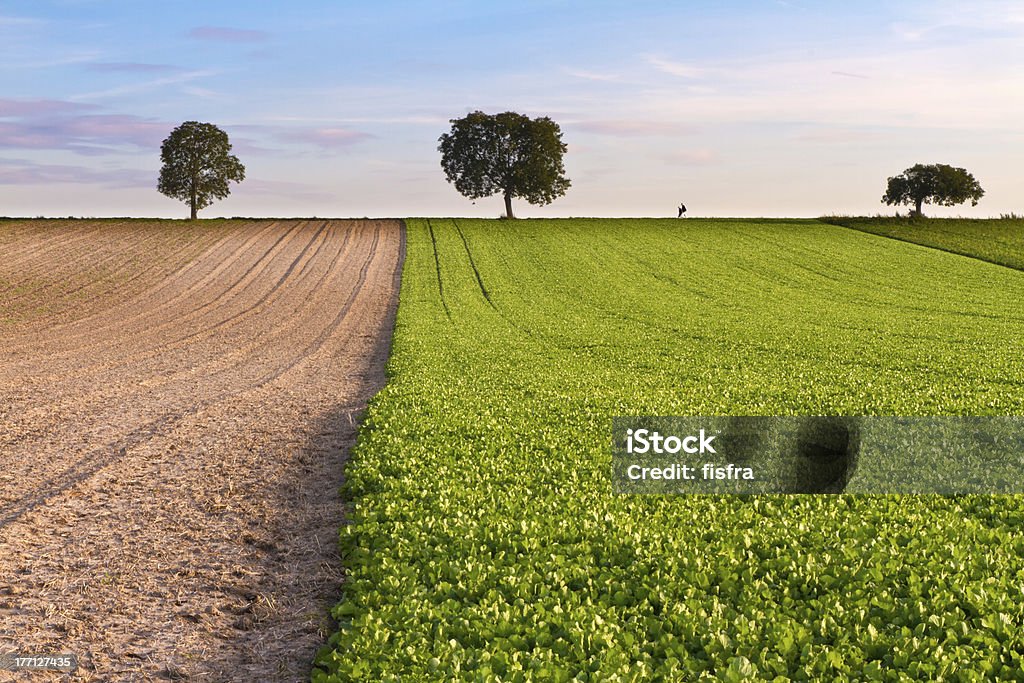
column 486, row 544
column 998, row 241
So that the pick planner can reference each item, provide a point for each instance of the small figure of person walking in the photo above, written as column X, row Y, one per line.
column 682, row 210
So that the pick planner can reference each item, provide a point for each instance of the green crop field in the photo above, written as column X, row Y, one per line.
column 485, row 541
column 998, row 240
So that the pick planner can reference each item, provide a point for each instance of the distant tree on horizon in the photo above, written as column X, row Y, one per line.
column 197, row 165
column 508, row 154
column 933, row 184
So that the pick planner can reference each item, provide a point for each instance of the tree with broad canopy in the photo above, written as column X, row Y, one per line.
column 198, row 165
column 932, row 183
column 508, row 154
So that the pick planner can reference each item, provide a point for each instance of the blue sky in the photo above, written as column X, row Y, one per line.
column 767, row 107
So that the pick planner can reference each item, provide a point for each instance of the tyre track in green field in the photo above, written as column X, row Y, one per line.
column 437, row 268
column 603, row 244
column 472, row 264
column 527, row 332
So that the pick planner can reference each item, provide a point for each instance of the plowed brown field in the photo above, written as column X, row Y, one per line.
column 176, row 400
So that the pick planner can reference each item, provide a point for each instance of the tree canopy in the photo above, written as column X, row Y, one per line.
column 508, row 154
column 933, row 184
column 197, row 165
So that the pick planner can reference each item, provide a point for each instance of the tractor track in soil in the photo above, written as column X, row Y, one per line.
column 172, row 437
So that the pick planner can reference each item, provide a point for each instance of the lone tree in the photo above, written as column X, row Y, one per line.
column 932, row 183
column 198, row 165
column 510, row 154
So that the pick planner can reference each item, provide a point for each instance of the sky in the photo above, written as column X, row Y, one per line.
column 746, row 108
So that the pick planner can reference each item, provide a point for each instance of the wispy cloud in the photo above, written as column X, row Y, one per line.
column 673, row 68
column 295, row 137
column 8, row 20
column 11, row 108
column 422, row 66
column 943, row 19
column 933, row 86
column 144, row 86
column 425, row 119
column 70, row 126
column 202, row 93
column 849, row 75
column 50, row 61
column 841, row 135
column 282, row 188
column 592, row 75
column 23, row 172
column 224, row 34
column 691, row 157
column 664, row 100
column 117, row 129
column 131, row 67
column 911, row 32
column 325, row 138
column 634, row 128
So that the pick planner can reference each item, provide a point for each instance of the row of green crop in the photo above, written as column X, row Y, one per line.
column 485, row 542
column 995, row 240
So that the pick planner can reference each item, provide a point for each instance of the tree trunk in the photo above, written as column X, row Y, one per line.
column 917, row 212
column 194, row 200
column 508, row 205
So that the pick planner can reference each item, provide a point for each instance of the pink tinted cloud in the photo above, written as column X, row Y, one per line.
column 326, row 138
column 839, row 135
column 118, row 129
column 282, row 188
column 849, row 74
column 69, row 126
column 692, row 157
column 224, row 34
column 86, row 133
column 278, row 138
column 31, row 108
column 634, row 128
column 21, row 172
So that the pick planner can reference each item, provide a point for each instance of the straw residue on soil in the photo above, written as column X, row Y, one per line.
column 176, row 400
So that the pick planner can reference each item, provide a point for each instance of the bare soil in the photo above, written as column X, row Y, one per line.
column 176, row 404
